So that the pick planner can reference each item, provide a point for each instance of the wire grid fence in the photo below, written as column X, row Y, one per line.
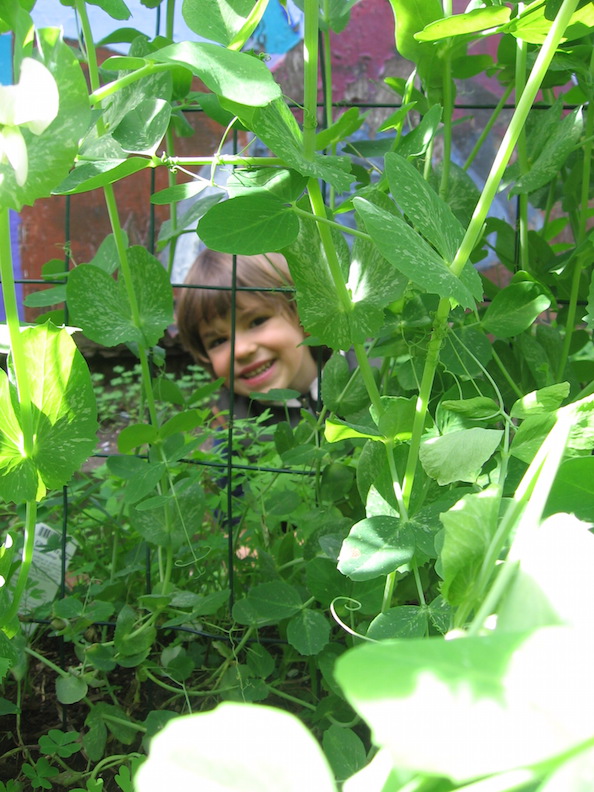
column 229, row 467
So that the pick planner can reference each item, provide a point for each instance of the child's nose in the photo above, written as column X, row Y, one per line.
column 244, row 345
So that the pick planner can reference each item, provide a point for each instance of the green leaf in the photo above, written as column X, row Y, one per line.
column 101, row 307
column 171, row 523
column 405, row 621
column 343, row 390
column 130, row 438
column 308, row 632
column 376, row 546
column 129, row 639
column 541, row 402
column 49, row 163
column 411, row 255
column 573, row 489
column 144, row 482
column 194, row 751
column 70, row 689
column 533, row 25
column 249, row 225
column 229, row 23
column 431, row 216
column 344, row 750
column 458, row 456
column 284, row 184
column 410, row 17
column 179, row 192
column 277, row 128
column 91, row 175
column 348, row 123
column 116, row 9
column 60, row 743
column 476, row 21
column 548, row 588
column 233, row 75
column 469, row 526
column 143, row 128
column 63, row 415
column 267, row 603
column 489, row 695
column 551, row 158
column 466, row 351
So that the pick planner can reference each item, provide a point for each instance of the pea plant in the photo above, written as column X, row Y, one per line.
column 416, row 589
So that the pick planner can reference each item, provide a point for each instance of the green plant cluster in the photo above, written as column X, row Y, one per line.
column 417, row 590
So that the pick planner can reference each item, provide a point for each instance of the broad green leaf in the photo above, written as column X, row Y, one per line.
column 130, row 438
column 481, row 691
column 143, row 128
column 532, row 24
column 410, row 17
column 144, row 482
column 178, row 192
column 70, row 689
column 376, row 546
column 267, row 603
column 469, row 526
column 336, row 430
column 277, row 128
column 286, row 185
column 189, row 219
column 548, row 588
column 404, row 621
column 458, row 456
column 423, row 207
column 551, row 158
column 573, row 489
column 91, row 175
column 320, row 309
column 343, row 390
column 48, row 163
column 117, row 9
column 63, row 416
column 248, row 225
column 344, row 750
column 397, row 416
column 411, row 255
column 541, row 401
column 466, row 351
column 348, row 123
column 272, row 750
column 172, row 523
column 128, row 639
column 308, row 632
column 477, row 21
column 101, row 307
column 480, row 408
column 228, row 23
column 233, row 75
column 41, row 299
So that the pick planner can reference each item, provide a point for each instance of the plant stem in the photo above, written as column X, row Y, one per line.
column 521, row 61
column 332, row 224
column 28, row 546
column 310, row 77
column 99, row 93
column 17, row 352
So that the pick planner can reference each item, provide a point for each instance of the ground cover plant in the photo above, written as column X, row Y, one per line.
column 417, row 589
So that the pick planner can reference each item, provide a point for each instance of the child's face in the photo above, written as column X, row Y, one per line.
column 267, row 351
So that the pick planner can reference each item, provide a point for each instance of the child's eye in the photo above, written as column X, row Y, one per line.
column 259, row 320
column 215, row 342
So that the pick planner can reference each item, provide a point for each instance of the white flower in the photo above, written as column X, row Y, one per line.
column 32, row 103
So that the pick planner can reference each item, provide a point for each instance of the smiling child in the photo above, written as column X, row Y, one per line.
column 269, row 353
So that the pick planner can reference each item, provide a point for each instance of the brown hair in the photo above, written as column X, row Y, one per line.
column 214, row 272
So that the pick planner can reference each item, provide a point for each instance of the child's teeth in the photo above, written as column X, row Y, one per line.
column 259, row 370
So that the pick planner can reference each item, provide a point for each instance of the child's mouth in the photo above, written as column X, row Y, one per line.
column 259, row 371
